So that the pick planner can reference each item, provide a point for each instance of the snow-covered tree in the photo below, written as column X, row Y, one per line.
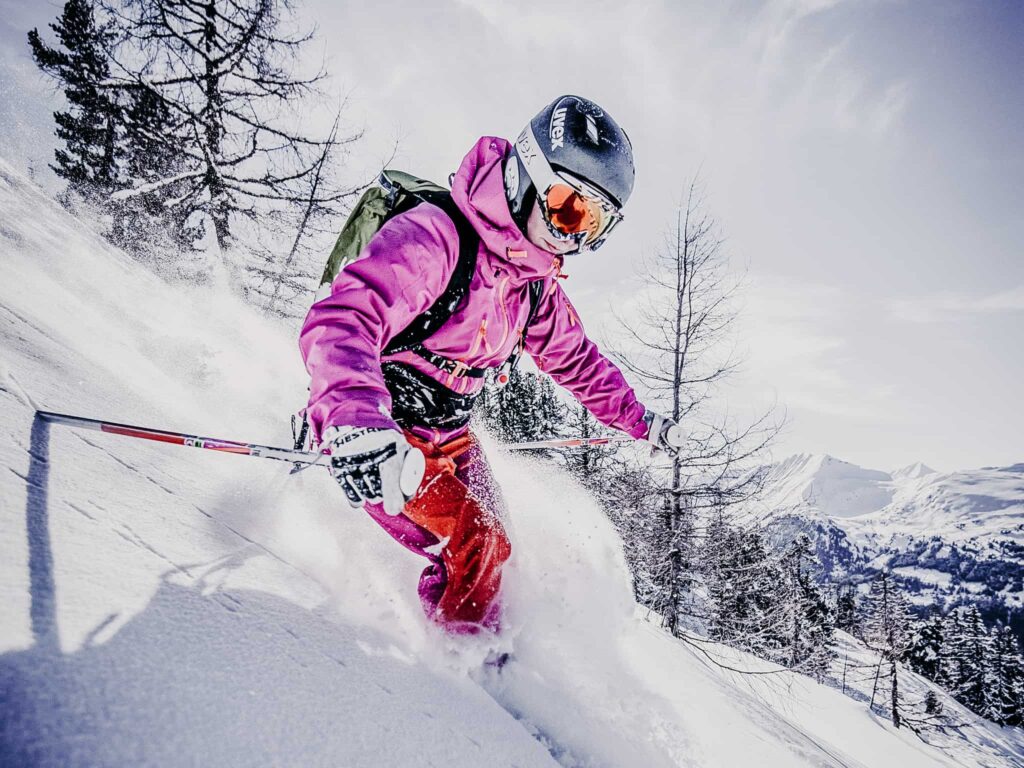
column 970, row 655
column 742, row 578
column 846, row 609
column 89, row 126
column 589, row 464
column 527, row 408
column 679, row 349
column 1005, row 679
column 629, row 492
column 224, row 73
column 148, row 224
column 809, row 625
column 927, row 646
column 886, row 630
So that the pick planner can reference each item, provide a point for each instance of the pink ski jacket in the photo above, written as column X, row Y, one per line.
column 401, row 272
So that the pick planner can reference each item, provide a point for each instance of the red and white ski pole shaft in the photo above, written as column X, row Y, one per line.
column 269, row 451
column 180, row 438
column 569, row 442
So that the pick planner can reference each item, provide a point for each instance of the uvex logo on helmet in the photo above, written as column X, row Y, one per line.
column 558, row 128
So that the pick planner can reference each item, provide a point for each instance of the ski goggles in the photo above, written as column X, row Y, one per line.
column 572, row 208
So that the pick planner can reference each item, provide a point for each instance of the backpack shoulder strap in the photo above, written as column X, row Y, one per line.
column 430, row 321
column 536, row 292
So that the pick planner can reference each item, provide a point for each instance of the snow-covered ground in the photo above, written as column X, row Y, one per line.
column 165, row 606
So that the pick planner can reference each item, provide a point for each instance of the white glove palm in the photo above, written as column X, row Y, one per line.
column 375, row 465
column 664, row 433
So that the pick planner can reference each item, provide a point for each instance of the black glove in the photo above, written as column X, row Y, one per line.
column 376, row 465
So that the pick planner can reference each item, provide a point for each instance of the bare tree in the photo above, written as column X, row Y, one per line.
column 224, row 72
column 681, row 350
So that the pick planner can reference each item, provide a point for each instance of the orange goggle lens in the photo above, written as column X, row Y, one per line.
column 573, row 213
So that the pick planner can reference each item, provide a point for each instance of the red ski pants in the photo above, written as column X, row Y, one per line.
column 460, row 508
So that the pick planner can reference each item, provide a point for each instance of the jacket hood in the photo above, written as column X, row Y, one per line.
column 478, row 188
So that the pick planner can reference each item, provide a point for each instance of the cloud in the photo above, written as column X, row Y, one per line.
column 802, row 348
column 889, row 108
column 948, row 305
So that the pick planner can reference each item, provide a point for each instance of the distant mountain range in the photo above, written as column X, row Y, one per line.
column 950, row 537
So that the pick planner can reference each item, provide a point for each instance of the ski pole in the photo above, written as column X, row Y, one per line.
column 267, row 451
column 569, row 442
column 180, row 438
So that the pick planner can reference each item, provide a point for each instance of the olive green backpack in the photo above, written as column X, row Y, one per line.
column 397, row 192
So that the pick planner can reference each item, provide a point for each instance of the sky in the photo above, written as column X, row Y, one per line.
column 864, row 161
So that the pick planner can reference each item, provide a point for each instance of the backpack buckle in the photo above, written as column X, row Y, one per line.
column 458, row 369
column 391, row 188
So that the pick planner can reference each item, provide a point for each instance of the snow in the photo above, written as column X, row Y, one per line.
column 925, row 575
column 877, row 509
column 831, row 487
column 913, row 471
column 164, row 606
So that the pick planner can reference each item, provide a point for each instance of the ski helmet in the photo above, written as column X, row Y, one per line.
column 579, row 142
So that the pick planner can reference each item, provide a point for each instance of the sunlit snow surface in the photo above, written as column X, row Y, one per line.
column 168, row 606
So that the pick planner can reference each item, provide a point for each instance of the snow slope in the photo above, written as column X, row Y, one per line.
column 164, row 606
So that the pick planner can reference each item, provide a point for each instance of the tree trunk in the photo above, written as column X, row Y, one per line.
column 219, row 208
column 895, row 694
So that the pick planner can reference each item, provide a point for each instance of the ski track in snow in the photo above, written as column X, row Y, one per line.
column 165, row 606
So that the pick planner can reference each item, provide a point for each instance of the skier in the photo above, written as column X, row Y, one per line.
column 397, row 422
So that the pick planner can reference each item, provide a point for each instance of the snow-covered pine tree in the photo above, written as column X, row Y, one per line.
column 846, row 609
column 527, row 408
column 886, row 630
column 629, row 491
column 743, row 580
column 589, row 464
column 927, row 647
column 1005, row 679
column 971, row 649
column 89, row 127
column 147, row 223
column 951, row 668
column 809, row 624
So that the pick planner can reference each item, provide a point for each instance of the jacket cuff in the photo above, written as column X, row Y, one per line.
column 350, row 413
column 641, row 427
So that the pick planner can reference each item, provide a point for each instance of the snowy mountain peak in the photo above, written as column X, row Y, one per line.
column 1014, row 468
column 830, row 486
column 913, row 471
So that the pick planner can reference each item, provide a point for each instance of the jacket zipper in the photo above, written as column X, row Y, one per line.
column 504, row 311
column 481, row 336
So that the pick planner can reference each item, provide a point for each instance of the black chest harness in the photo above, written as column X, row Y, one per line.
column 417, row 399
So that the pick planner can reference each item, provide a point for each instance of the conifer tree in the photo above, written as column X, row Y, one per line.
column 590, row 464
column 886, row 630
column 88, row 160
column 971, row 649
column 526, row 409
column 951, row 662
column 847, row 612
column 810, row 627
column 743, row 581
column 927, row 646
column 1005, row 679
column 147, row 223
